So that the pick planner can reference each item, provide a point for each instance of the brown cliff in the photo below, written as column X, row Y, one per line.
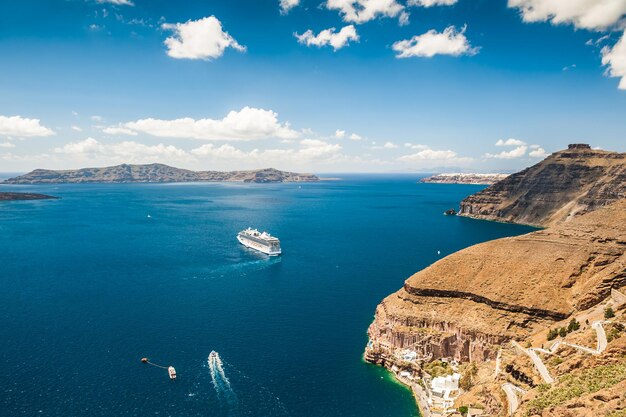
column 469, row 303
column 566, row 184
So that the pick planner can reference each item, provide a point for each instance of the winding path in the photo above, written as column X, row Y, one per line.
column 511, row 396
column 541, row 367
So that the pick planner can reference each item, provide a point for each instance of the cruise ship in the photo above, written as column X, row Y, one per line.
column 263, row 242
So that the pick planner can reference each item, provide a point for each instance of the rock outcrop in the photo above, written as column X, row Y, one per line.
column 469, row 303
column 564, row 185
column 126, row 173
column 24, row 196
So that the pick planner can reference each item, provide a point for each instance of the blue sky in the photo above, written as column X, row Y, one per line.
column 398, row 86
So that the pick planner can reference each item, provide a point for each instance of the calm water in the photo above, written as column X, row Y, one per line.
column 90, row 284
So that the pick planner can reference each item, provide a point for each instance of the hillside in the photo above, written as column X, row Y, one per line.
column 564, row 185
column 126, row 173
column 474, row 303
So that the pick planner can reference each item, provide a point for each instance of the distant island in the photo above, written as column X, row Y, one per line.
column 460, row 178
column 24, row 196
column 155, row 173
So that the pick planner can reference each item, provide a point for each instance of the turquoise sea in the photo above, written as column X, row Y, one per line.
column 108, row 274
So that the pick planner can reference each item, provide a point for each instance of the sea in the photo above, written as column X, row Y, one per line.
column 108, row 274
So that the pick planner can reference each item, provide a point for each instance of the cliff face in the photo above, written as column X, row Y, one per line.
column 126, row 173
column 467, row 304
column 566, row 184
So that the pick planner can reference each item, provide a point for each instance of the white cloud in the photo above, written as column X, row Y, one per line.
column 329, row 37
column 354, row 136
column 22, row 127
column 119, row 130
column 615, row 60
column 340, row 134
column 512, row 154
column 429, row 154
column 361, row 11
column 128, row 151
column 247, row 124
column 97, row 118
column 449, row 42
column 587, row 14
column 537, row 152
column 431, row 3
column 77, row 129
column 286, row 5
column 510, row 142
column 7, row 145
column 199, row 39
column 310, row 150
column 116, row 2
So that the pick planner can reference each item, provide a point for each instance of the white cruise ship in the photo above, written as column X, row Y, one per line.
column 263, row 242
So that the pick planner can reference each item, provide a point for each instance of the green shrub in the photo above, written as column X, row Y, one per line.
column 552, row 334
column 463, row 410
column 562, row 332
column 609, row 313
column 573, row 326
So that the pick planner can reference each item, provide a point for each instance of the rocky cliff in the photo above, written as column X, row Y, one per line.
column 468, row 304
column 564, row 185
column 126, row 173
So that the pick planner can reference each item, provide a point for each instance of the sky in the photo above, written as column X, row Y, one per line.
column 309, row 85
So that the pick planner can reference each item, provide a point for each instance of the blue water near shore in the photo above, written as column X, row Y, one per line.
column 89, row 284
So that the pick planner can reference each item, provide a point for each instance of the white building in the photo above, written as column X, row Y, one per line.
column 444, row 390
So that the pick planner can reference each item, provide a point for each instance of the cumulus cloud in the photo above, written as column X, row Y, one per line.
column 329, row 37
column 510, row 142
column 128, row 151
column 340, row 134
column 7, row 145
column 77, row 129
column 309, row 150
column 247, row 124
column 119, row 130
column 518, row 152
column 586, row 14
column 425, row 157
column 22, row 127
column 449, row 42
column 354, row 136
column 537, row 152
column 361, row 11
column 199, row 39
column 116, row 2
column 431, row 3
column 614, row 58
column 286, row 5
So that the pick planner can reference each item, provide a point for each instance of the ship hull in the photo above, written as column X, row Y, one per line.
column 257, row 246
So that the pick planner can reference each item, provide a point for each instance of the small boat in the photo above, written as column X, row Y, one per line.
column 172, row 372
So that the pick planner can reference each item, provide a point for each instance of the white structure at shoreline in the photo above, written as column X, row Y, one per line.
column 443, row 392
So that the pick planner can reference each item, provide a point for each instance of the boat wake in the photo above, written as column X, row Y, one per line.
column 222, row 386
